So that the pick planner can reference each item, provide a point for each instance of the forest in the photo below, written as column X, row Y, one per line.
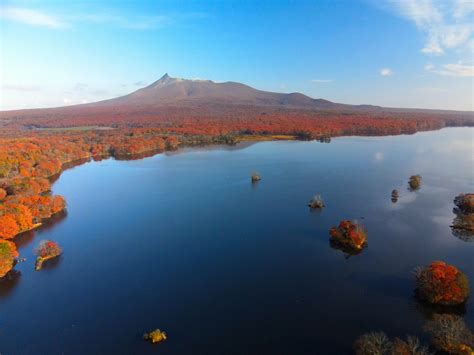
column 32, row 156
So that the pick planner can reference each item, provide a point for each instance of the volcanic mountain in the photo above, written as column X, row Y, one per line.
column 171, row 91
column 175, row 102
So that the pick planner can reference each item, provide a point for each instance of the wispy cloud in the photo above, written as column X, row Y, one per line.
column 458, row 70
column 128, row 22
column 35, row 17
column 32, row 17
column 386, row 72
column 322, row 80
column 16, row 87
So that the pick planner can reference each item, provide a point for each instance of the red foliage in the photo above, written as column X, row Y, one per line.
column 440, row 283
column 48, row 249
column 349, row 235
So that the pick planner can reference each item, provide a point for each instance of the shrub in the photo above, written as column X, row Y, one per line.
column 255, row 177
column 372, row 343
column 378, row 343
column 442, row 284
column 48, row 249
column 414, row 182
column 8, row 253
column 465, row 203
column 155, row 336
column 449, row 333
column 395, row 195
column 350, row 236
column 316, row 202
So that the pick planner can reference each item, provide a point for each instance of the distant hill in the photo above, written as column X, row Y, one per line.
column 169, row 101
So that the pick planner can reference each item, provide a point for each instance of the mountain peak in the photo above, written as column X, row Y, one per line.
column 164, row 80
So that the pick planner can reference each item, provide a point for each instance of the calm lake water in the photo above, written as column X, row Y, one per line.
column 185, row 243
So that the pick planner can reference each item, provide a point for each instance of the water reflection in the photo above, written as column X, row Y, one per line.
column 9, row 282
column 463, row 227
column 345, row 248
column 137, row 156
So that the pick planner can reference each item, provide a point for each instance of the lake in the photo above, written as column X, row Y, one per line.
column 184, row 242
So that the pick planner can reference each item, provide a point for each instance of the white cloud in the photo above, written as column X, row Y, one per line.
column 386, row 72
column 446, row 23
column 463, row 8
column 31, row 17
column 429, row 66
column 458, row 70
column 322, row 80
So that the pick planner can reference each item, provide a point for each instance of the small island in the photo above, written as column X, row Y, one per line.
column 450, row 334
column 316, row 202
column 442, row 284
column 348, row 236
column 395, row 195
column 155, row 336
column 414, row 182
column 255, row 177
column 46, row 250
column 464, row 203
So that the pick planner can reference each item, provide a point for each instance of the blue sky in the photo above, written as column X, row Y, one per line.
column 400, row 53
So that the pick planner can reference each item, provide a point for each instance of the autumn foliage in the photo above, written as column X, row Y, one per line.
column 47, row 249
column 350, row 236
column 442, row 284
column 465, row 203
column 378, row 343
column 414, row 182
column 8, row 253
column 450, row 334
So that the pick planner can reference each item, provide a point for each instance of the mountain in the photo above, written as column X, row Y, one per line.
column 171, row 91
column 177, row 103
